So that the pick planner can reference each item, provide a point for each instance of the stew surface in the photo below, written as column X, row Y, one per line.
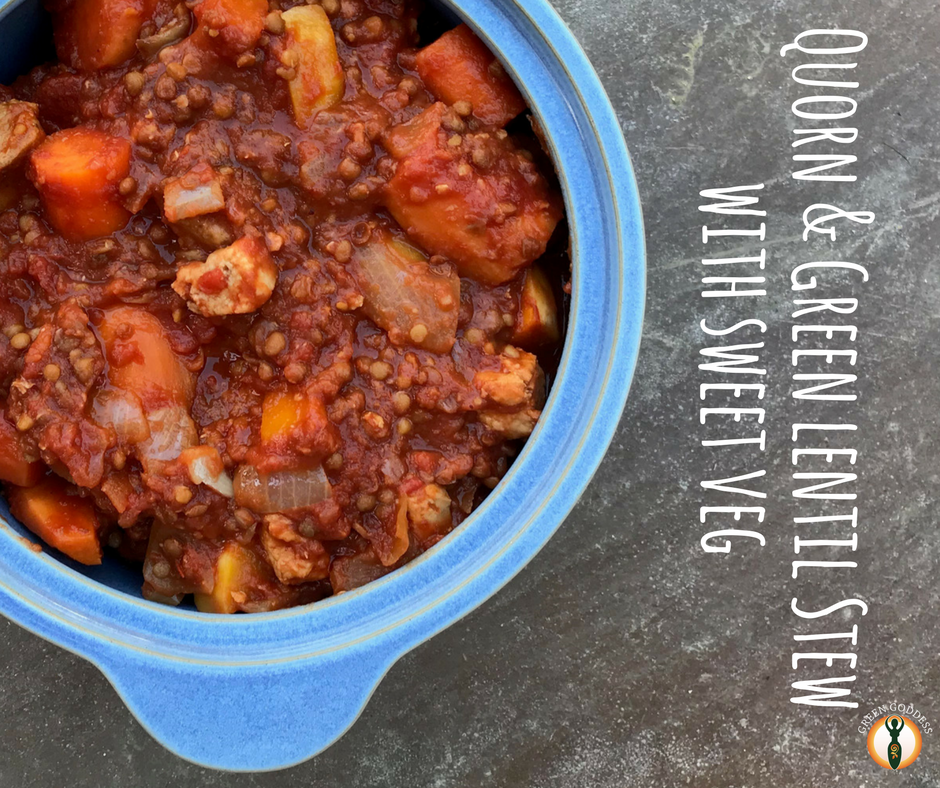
column 278, row 287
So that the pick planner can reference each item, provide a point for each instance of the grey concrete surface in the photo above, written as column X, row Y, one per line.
column 622, row 655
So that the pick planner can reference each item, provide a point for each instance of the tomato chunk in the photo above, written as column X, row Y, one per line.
column 60, row 518
column 14, row 466
column 98, row 34
column 77, row 173
column 459, row 67
column 319, row 82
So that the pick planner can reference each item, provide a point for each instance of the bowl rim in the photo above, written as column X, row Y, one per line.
column 114, row 617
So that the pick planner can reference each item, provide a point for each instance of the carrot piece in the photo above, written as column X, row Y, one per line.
column 460, row 67
column 14, row 466
column 98, row 34
column 537, row 321
column 232, row 27
column 319, row 82
column 77, row 173
column 60, row 518
column 140, row 359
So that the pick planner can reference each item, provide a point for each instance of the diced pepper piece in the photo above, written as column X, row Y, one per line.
column 281, row 413
column 20, row 131
column 141, row 360
column 296, row 432
column 60, row 518
column 474, row 198
column 14, row 465
column 460, row 67
column 415, row 304
column 537, row 321
column 235, row 280
column 319, row 81
column 238, row 571
column 97, row 34
column 231, row 27
column 77, row 173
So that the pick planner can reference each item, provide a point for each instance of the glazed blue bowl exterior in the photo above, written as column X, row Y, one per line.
column 273, row 690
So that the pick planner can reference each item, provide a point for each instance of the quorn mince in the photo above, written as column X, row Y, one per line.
column 274, row 286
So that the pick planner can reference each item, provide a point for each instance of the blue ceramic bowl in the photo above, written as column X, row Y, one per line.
column 273, row 690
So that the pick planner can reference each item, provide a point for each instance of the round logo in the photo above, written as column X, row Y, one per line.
column 894, row 742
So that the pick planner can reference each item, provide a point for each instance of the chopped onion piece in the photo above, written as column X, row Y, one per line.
column 182, row 203
column 270, row 493
column 171, row 431
column 415, row 304
column 123, row 412
column 205, row 467
column 196, row 193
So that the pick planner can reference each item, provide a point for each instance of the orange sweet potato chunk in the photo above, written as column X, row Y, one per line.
column 459, row 67
column 14, row 466
column 98, row 34
column 474, row 199
column 60, row 518
column 140, row 359
column 77, row 173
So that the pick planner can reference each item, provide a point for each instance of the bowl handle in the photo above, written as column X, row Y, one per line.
column 254, row 718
